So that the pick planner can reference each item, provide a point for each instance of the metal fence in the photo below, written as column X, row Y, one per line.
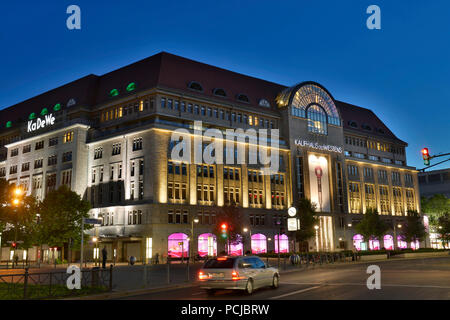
column 45, row 285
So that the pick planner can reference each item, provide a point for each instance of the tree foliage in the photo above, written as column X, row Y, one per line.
column 371, row 226
column 306, row 212
column 233, row 216
column 443, row 228
column 60, row 217
column 435, row 206
column 17, row 222
column 414, row 230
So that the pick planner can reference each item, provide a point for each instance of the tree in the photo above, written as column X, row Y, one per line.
column 233, row 217
column 443, row 229
column 17, row 222
column 434, row 207
column 414, row 229
column 371, row 226
column 306, row 211
column 60, row 217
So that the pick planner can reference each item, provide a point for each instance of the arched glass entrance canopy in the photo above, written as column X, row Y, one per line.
column 310, row 95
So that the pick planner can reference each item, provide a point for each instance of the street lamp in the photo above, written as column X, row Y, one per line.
column 95, row 240
column 317, row 237
column 195, row 220
column 250, row 232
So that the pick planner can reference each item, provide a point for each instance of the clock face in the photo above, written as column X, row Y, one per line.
column 292, row 211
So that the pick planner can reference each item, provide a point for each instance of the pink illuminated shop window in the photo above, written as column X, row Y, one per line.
column 374, row 244
column 178, row 243
column 284, row 243
column 357, row 240
column 415, row 245
column 259, row 243
column 388, row 242
column 236, row 248
column 401, row 243
column 207, row 245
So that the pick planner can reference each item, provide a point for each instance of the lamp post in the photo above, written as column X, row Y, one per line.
column 95, row 240
column 17, row 193
column 316, row 227
column 250, row 233
column 195, row 220
column 395, row 234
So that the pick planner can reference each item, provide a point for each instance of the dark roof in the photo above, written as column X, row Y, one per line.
column 165, row 70
column 364, row 119
column 82, row 90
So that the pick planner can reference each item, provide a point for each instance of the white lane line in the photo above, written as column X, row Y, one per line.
column 295, row 292
column 363, row 285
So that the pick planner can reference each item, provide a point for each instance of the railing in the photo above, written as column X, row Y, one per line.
column 45, row 285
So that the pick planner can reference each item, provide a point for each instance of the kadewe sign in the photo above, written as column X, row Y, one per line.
column 34, row 125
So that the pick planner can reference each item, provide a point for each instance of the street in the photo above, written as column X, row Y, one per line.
column 400, row 279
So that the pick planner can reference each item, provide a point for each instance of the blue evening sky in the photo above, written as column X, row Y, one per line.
column 401, row 72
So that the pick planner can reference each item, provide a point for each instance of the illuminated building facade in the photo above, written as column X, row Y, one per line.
column 109, row 138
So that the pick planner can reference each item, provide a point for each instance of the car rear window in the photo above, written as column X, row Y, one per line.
column 226, row 263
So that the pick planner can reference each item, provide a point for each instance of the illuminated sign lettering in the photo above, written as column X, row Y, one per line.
column 315, row 145
column 49, row 120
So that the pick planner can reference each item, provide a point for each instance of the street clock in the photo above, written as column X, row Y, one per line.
column 292, row 212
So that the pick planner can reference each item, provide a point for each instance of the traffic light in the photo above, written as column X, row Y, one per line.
column 426, row 156
column 224, row 229
column 14, row 245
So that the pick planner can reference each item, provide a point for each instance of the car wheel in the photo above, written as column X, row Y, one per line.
column 275, row 282
column 249, row 286
column 210, row 292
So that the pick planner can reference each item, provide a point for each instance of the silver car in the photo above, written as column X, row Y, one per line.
column 237, row 273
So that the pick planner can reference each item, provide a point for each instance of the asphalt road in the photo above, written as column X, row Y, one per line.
column 400, row 279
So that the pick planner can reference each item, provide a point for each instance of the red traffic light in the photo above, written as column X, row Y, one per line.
column 14, row 244
column 224, row 226
column 425, row 151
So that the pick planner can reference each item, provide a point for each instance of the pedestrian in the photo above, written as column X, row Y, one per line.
column 354, row 251
column 157, row 258
column 104, row 257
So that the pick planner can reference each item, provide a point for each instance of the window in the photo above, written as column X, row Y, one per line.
column 67, row 156
column 39, row 145
column 368, row 172
column 352, row 170
column 317, row 120
column 219, row 92
column 116, row 149
column 26, row 148
column 68, row 137
column 355, row 197
column 384, row 200
column 243, row 98
column 370, row 196
column 25, row 167
column 382, row 175
column 134, row 217
column 137, row 144
column 53, row 141
column 15, row 152
column 98, row 153
column 193, row 85
column 51, row 182
column 410, row 206
column 66, row 177
column 2, row 172
column 13, row 169
column 38, row 163
column 52, row 160
column 398, row 205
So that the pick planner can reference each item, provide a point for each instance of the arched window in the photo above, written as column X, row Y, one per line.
column 317, row 120
column 207, row 245
column 243, row 98
column 220, row 92
column 358, row 240
column 284, row 243
column 236, row 248
column 374, row 244
column 178, row 243
column 401, row 243
column 264, row 103
column 195, row 86
column 259, row 243
column 388, row 242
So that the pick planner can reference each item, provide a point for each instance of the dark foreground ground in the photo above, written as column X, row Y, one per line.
column 400, row 279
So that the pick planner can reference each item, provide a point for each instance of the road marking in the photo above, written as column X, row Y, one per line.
column 363, row 285
column 295, row 292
